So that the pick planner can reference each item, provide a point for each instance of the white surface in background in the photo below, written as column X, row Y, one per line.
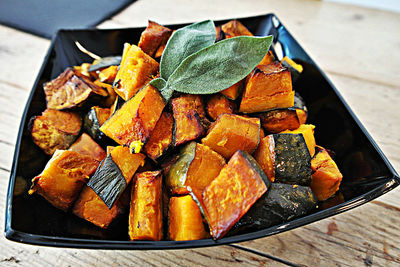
column 390, row 5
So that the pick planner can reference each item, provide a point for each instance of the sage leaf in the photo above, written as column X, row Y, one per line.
column 160, row 84
column 219, row 66
column 184, row 42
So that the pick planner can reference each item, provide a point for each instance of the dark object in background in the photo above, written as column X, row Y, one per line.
column 46, row 17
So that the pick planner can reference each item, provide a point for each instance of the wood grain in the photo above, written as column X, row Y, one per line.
column 356, row 47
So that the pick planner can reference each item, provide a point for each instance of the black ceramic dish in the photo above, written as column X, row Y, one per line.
column 30, row 219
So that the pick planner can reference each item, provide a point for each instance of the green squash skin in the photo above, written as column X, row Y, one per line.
column 282, row 203
column 92, row 125
column 108, row 182
column 292, row 159
column 105, row 62
column 177, row 174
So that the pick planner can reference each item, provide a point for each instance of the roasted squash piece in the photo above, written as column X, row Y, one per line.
column 267, row 59
column 114, row 174
column 229, row 196
column 108, row 74
column 161, row 137
column 235, row 28
column 326, row 177
column 230, row 132
column 185, row 221
column 196, row 167
column 154, row 36
column 135, row 71
column 71, row 89
column 133, row 123
column 94, row 119
column 282, row 203
column 146, row 213
column 86, row 146
column 219, row 34
column 107, row 102
column 90, row 206
column 265, row 156
column 232, row 92
column 188, row 111
column 218, row 104
column 294, row 68
column 268, row 87
column 63, row 177
column 55, row 129
column 307, row 130
column 278, row 120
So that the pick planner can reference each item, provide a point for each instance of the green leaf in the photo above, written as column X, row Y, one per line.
column 160, row 84
column 219, row 66
column 184, row 42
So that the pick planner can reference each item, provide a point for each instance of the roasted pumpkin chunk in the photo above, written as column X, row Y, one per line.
column 265, row 156
column 218, row 104
column 189, row 113
column 114, row 174
column 307, row 130
column 63, row 177
column 55, row 129
column 71, row 89
column 109, row 100
column 135, row 71
column 154, row 36
column 196, row 167
column 90, row 206
column 267, row 59
column 107, row 75
column 86, row 146
column 161, row 137
column 146, row 214
column 230, row 132
column 235, row 28
column 230, row 195
column 326, row 176
column 185, row 221
column 232, row 92
column 282, row 203
column 133, row 123
column 94, row 119
column 268, row 87
column 278, row 120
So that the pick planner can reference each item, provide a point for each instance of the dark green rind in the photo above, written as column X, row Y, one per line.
column 108, row 182
column 92, row 126
column 256, row 167
column 197, row 197
column 177, row 174
column 105, row 62
column 292, row 159
column 282, row 203
column 117, row 104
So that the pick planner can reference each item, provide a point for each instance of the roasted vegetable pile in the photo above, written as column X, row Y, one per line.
column 126, row 136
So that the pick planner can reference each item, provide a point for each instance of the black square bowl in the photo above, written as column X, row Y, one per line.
column 367, row 173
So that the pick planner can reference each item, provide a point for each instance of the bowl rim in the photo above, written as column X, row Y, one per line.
column 389, row 182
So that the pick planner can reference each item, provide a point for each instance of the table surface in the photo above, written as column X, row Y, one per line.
column 356, row 47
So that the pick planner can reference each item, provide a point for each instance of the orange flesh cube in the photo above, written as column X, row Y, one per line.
column 307, row 130
column 230, row 133
column 146, row 215
column 205, row 166
column 87, row 146
column 128, row 163
column 268, row 87
column 232, row 92
column 326, row 177
column 235, row 28
column 63, row 177
column 90, row 206
column 185, row 221
column 231, row 194
column 218, row 104
column 133, row 123
column 265, row 156
column 161, row 137
column 135, row 71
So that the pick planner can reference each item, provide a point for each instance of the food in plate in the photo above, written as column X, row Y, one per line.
column 189, row 150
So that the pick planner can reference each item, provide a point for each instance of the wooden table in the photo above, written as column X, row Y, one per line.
column 358, row 48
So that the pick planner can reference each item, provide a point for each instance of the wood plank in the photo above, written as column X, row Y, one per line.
column 368, row 235
column 355, row 41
